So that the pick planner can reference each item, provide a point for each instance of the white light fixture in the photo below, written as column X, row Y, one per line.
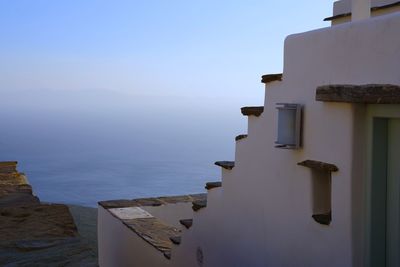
column 289, row 126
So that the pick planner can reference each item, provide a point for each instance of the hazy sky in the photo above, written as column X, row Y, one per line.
column 98, row 91
column 194, row 49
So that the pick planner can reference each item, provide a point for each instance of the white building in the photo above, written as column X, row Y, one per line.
column 315, row 180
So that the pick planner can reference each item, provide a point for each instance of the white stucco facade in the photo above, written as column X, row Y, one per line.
column 262, row 214
column 266, row 199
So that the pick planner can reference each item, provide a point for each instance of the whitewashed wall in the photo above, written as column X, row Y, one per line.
column 262, row 214
column 119, row 246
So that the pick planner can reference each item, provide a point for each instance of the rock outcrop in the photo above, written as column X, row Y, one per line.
column 34, row 233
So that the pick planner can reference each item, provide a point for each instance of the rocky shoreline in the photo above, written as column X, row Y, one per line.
column 42, row 234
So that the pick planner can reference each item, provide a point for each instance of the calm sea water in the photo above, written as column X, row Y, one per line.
column 81, row 150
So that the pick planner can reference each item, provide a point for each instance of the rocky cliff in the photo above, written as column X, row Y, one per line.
column 34, row 233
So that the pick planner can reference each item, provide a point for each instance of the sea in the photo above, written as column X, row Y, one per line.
column 84, row 147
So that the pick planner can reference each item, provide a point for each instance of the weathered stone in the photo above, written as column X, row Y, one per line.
column 175, row 239
column 186, row 222
column 319, row 165
column 12, row 178
column 35, row 234
column 364, row 94
column 271, row 78
column 18, row 199
column 240, row 137
column 36, row 244
column 252, row 111
column 11, row 189
column 167, row 255
column 199, row 204
column 14, row 188
column 324, row 219
column 120, row 203
column 68, row 251
column 153, row 231
column 211, row 185
column 8, row 167
column 150, row 201
column 228, row 165
column 40, row 221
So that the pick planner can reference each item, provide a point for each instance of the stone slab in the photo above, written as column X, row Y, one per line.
column 157, row 201
column 361, row 94
column 130, row 213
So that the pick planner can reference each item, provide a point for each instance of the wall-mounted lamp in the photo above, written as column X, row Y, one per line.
column 289, row 125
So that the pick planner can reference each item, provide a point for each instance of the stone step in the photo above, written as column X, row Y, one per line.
column 240, row 137
column 324, row 219
column 199, row 204
column 228, row 165
column 271, row 78
column 167, row 254
column 319, row 165
column 211, row 185
column 252, row 111
column 186, row 222
column 175, row 239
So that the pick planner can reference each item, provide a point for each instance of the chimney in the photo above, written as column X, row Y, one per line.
column 360, row 9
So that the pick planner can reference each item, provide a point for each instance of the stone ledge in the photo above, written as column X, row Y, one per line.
column 324, row 219
column 240, row 137
column 252, row 111
column 167, row 255
column 176, row 240
column 186, row 222
column 211, row 185
column 199, row 204
column 228, row 165
column 156, row 201
column 319, row 165
column 363, row 94
column 271, row 77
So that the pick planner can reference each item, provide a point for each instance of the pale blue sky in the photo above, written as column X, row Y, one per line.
column 194, row 49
